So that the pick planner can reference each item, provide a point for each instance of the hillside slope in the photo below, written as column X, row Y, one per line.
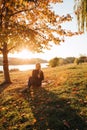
column 60, row 104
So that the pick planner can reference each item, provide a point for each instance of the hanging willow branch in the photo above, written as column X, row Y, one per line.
column 81, row 14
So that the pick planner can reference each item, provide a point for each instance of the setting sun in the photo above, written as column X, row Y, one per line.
column 24, row 54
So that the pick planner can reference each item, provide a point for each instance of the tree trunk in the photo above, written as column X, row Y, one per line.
column 5, row 64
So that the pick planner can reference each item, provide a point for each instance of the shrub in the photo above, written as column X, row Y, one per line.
column 54, row 62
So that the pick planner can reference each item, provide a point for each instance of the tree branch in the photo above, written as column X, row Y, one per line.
column 23, row 10
column 1, row 49
column 11, row 48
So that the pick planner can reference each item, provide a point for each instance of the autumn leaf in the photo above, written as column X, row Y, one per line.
column 66, row 123
column 34, row 121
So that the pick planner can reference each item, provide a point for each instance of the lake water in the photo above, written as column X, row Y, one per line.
column 24, row 67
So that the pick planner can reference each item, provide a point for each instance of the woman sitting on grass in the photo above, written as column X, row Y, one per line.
column 37, row 76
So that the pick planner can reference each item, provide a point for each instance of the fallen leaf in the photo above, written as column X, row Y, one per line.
column 66, row 123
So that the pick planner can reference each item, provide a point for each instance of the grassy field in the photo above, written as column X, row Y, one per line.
column 60, row 104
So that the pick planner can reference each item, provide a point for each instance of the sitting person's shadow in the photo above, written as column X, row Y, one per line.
column 52, row 112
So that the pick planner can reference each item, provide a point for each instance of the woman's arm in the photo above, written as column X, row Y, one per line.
column 41, row 75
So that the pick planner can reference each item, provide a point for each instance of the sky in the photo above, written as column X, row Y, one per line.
column 72, row 47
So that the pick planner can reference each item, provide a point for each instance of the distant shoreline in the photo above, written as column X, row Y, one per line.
column 19, row 61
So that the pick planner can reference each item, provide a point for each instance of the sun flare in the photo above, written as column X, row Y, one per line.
column 24, row 54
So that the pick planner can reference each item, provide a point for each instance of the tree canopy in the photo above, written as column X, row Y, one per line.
column 30, row 23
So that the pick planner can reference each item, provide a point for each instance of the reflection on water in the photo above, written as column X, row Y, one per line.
column 24, row 67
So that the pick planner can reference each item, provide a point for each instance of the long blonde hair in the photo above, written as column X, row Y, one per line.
column 38, row 66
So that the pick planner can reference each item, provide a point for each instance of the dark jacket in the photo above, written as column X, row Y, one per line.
column 36, row 78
